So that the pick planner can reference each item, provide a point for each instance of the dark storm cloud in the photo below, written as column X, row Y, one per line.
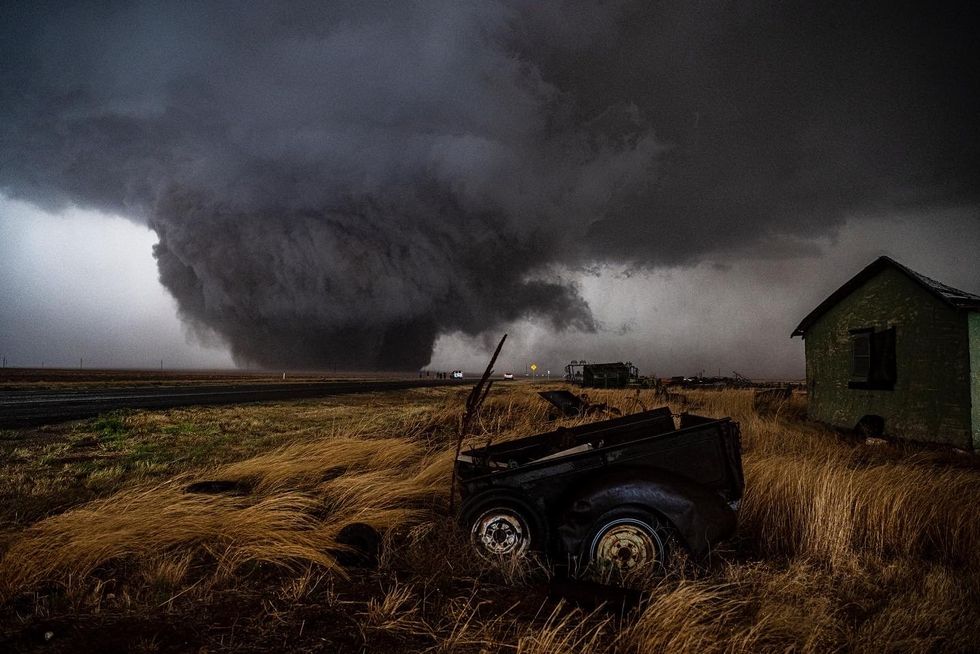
column 341, row 183
column 784, row 117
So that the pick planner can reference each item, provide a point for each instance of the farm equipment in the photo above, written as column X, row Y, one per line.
column 614, row 494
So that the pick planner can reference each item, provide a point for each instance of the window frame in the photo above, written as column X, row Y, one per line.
column 862, row 334
column 881, row 372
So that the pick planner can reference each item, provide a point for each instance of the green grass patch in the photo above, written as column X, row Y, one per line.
column 111, row 427
column 151, row 452
column 184, row 428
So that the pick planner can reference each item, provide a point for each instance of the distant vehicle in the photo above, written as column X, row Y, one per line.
column 508, row 375
column 457, row 374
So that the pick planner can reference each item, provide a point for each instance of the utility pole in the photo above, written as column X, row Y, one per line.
column 80, row 361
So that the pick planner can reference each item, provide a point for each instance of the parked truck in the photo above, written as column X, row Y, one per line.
column 618, row 493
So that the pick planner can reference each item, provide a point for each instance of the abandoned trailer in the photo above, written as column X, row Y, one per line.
column 896, row 353
column 613, row 496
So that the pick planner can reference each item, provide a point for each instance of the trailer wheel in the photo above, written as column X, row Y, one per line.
column 626, row 541
column 502, row 529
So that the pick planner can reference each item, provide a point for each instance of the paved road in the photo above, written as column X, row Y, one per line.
column 29, row 408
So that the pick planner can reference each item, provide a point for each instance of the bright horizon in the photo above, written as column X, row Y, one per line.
column 81, row 284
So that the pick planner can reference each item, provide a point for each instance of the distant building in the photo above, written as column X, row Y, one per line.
column 896, row 353
column 608, row 375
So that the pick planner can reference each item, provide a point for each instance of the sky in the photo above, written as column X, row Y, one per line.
column 377, row 186
column 730, row 314
column 81, row 288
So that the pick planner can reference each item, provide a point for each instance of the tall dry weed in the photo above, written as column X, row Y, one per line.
column 566, row 630
column 693, row 617
column 829, row 510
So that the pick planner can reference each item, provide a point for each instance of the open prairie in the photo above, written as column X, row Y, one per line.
column 76, row 378
column 842, row 545
column 38, row 397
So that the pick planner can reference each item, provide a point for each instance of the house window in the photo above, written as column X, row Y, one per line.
column 861, row 354
column 873, row 359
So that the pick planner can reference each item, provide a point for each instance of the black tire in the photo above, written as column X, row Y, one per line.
column 625, row 541
column 502, row 527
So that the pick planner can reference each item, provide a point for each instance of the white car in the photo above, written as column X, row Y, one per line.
column 508, row 375
column 457, row 374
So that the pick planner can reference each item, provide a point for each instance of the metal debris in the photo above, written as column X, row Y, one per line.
column 570, row 405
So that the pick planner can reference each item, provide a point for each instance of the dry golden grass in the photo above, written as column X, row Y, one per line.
column 842, row 546
column 827, row 510
column 290, row 518
column 566, row 631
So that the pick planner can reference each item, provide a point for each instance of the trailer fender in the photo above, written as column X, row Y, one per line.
column 697, row 515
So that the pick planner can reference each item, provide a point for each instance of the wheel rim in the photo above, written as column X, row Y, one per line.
column 500, row 532
column 627, row 544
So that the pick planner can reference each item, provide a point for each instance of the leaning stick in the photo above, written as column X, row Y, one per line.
column 473, row 403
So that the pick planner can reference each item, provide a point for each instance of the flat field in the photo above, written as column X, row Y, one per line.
column 842, row 545
column 77, row 379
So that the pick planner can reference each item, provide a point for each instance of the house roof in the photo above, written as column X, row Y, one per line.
column 953, row 297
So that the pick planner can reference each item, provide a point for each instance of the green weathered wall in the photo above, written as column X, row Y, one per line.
column 931, row 400
column 974, row 322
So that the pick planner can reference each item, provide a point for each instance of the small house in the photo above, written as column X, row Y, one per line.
column 893, row 352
